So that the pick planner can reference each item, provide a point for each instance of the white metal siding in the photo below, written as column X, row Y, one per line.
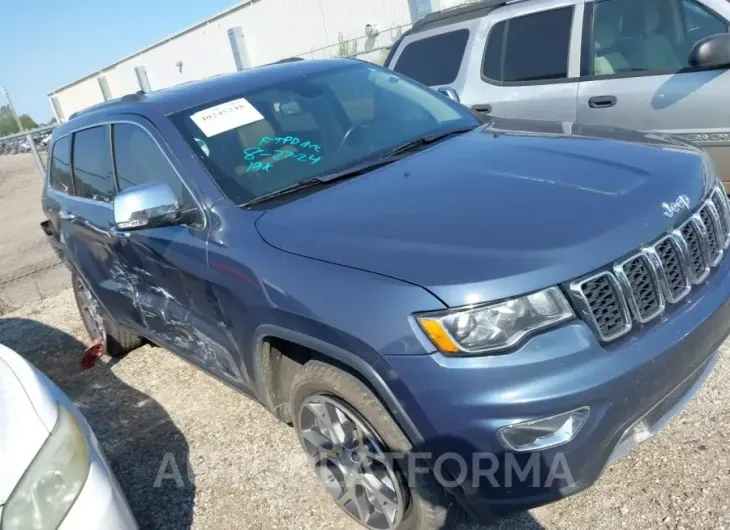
column 80, row 96
column 272, row 30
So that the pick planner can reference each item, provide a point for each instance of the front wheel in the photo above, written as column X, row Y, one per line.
column 116, row 340
column 349, row 438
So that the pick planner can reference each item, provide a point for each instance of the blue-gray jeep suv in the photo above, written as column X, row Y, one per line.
column 446, row 307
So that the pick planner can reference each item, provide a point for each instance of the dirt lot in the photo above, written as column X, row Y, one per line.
column 29, row 269
column 153, row 411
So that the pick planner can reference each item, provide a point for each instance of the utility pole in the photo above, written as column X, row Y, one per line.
column 10, row 106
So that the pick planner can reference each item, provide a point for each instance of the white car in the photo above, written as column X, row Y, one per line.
column 53, row 474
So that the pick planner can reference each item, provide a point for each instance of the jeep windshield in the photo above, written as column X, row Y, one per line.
column 266, row 140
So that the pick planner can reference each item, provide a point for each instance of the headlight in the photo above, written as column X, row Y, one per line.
column 54, row 479
column 491, row 328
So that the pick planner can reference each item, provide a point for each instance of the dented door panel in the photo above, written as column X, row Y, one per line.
column 92, row 250
column 165, row 271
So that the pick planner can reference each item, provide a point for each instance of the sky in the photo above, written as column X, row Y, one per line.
column 45, row 44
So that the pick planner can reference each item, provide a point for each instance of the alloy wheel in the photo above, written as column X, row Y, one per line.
column 349, row 460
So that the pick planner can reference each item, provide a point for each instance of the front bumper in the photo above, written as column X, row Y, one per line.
column 459, row 404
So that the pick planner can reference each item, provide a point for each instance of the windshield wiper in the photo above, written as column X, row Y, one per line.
column 392, row 156
column 324, row 179
column 425, row 140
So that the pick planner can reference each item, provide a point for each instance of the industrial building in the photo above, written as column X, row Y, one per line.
column 250, row 33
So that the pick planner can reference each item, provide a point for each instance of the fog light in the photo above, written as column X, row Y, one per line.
column 544, row 433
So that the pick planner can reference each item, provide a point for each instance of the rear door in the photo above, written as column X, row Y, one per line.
column 165, row 269
column 636, row 72
column 87, row 220
column 58, row 189
column 525, row 63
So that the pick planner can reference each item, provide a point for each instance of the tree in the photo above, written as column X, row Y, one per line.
column 8, row 124
column 27, row 122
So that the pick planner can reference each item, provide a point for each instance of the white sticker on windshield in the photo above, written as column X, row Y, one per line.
column 226, row 116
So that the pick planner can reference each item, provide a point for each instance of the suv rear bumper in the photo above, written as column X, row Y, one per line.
column 459, row 404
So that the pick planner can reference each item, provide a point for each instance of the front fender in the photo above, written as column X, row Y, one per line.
column 365, row 371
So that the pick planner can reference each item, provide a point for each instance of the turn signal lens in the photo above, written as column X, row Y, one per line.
column 438, row 335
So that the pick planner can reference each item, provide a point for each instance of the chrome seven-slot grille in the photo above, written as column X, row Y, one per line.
column 640, row 287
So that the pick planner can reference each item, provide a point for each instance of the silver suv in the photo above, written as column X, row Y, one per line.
column 652, row 65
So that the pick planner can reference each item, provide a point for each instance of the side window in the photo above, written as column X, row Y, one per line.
column 138, row 160
column 648, row 36
column 434, row 60
column 60, row 177
column 92, row 164
column 700, row 23
column 529, row 48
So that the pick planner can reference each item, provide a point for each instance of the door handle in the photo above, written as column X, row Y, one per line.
column 602, row 102
column 66, row 216
column 482, row 107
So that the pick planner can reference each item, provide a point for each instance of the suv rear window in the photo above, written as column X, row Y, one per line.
column 529, row 48
column 92, row 164
column 60, row 178
column 434, row 60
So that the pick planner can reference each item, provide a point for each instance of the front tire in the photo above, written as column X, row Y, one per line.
column 347, row 433
column 117, row 340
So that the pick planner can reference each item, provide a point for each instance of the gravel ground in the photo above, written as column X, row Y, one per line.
column 153, row 411
column 29, row 269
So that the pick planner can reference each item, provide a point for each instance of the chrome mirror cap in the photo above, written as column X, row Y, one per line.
column 146, row 206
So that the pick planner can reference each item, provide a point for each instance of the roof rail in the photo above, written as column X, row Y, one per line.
column 458, row 11
column 136, row 96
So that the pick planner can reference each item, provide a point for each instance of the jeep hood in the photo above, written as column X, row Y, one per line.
column 509, row 208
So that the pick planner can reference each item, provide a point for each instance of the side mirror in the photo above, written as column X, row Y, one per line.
column 711, row 52
column 147, row 206
column 449, row 93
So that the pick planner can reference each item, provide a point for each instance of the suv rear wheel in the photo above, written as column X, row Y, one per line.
column 116, row 339
column 348, row 435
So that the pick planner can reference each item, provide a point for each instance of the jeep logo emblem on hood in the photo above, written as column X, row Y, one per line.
column 672, row 208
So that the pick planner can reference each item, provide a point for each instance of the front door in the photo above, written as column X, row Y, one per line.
column 166, row 268
column 637, row 73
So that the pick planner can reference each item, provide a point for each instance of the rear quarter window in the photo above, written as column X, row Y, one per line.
column 60, row 167
column 434, row 60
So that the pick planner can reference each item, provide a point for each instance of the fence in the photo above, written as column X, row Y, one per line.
column 372, row 48
column 29, row 269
